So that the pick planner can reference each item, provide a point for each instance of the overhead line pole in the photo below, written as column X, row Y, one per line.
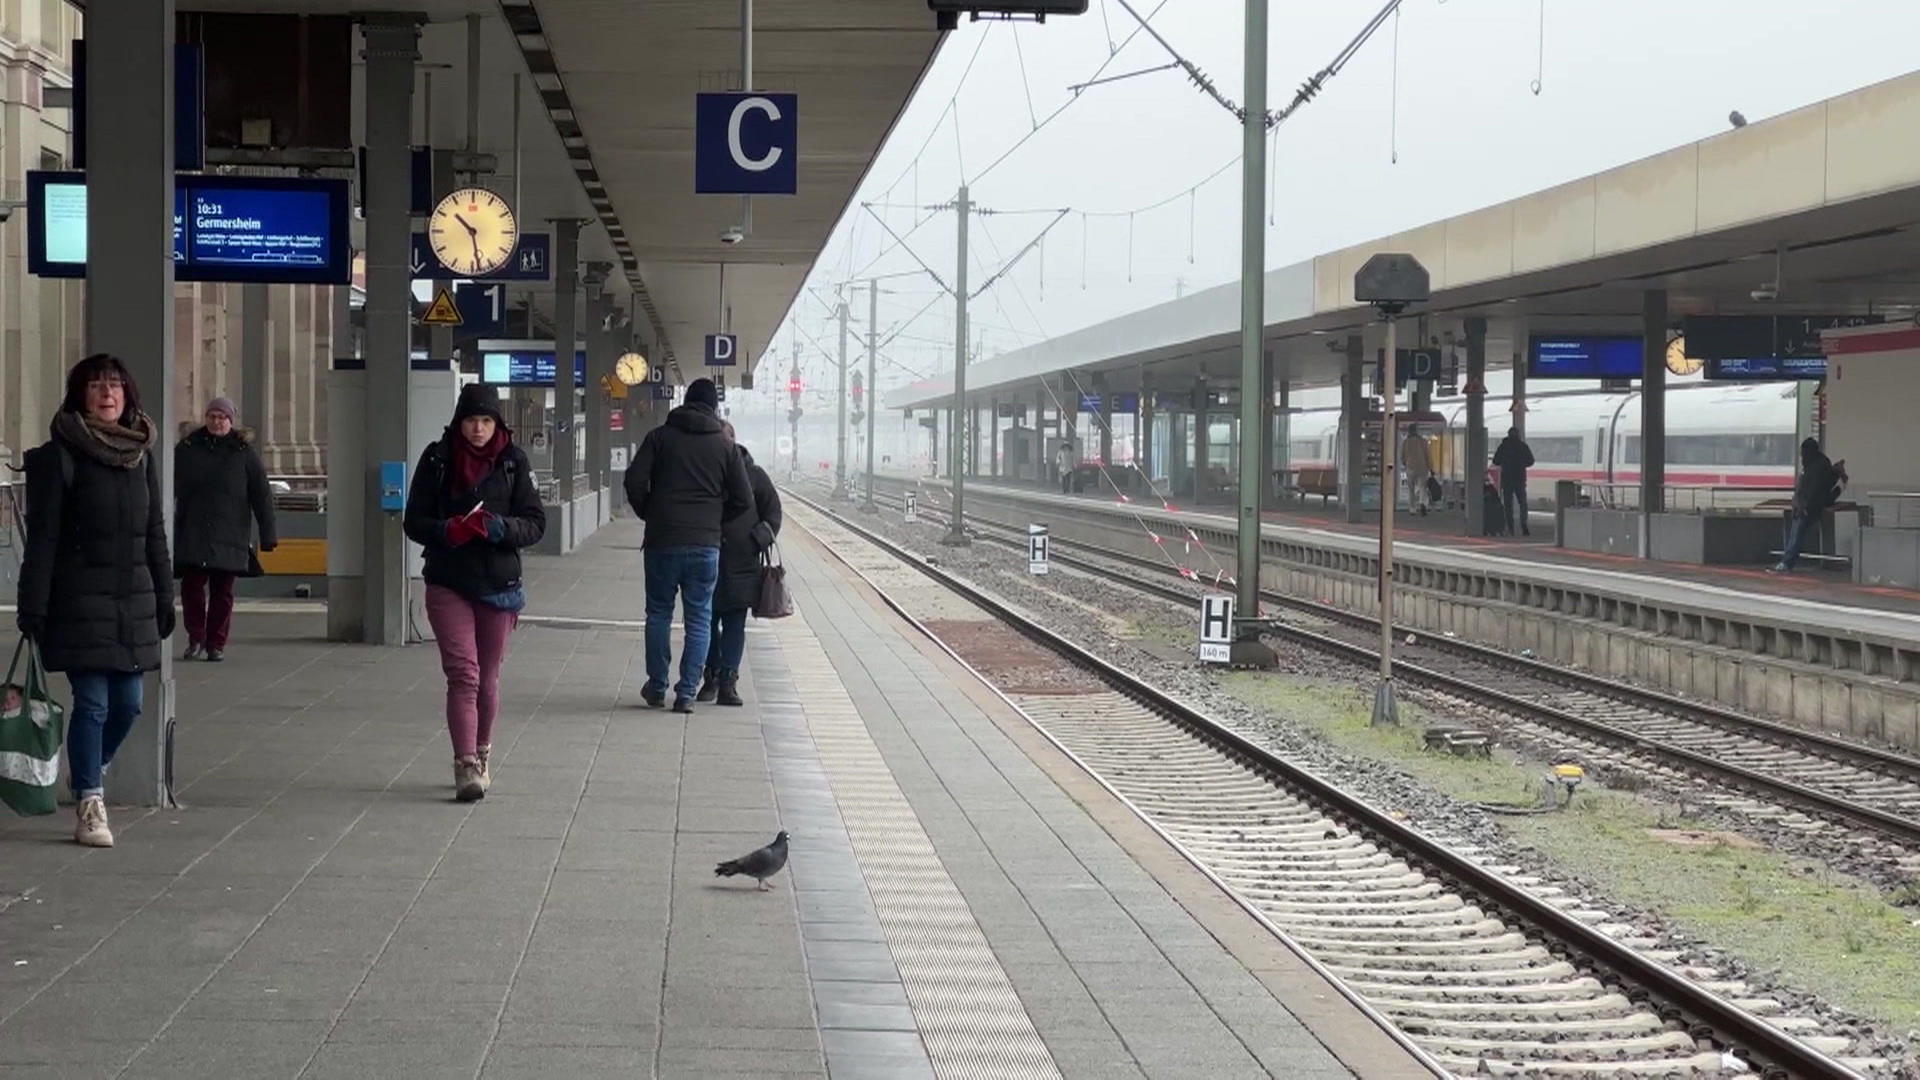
column 840, row 451
column 1253, row 268
column 957, row 532
column 873, row 387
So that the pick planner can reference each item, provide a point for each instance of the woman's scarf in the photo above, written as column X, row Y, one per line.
column 108, row 442
column 473, row 463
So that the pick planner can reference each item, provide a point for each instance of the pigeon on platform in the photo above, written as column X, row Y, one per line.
column 760, row 865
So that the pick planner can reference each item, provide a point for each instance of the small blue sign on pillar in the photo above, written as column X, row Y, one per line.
column 723, row 350
column 746, row 144
column 393, row 486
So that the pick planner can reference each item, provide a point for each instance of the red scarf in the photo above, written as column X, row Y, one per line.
column 473, row 463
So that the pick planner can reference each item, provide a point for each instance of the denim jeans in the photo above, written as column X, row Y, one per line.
column 729, row 640
column 690, row 572
column 1796, row 536
column 105, row 705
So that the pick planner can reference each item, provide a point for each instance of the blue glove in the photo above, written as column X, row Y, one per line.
column 496, row 528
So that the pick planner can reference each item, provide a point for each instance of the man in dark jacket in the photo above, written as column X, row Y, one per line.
column 1514, row 457
column 1818, row 488
column 683, row 482
column 219, row 492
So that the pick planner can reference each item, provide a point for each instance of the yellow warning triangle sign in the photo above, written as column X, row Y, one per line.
column 443, row 311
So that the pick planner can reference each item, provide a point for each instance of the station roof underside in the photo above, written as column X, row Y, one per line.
column 625, row 74
column 1830, row 191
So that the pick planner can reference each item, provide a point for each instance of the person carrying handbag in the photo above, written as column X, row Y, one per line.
column 96, row 585
column 744, row 537
column 220, row 493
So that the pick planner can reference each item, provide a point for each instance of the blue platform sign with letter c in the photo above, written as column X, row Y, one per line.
column 746, row 144
column 723, row 350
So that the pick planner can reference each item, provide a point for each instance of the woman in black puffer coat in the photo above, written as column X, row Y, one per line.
column 219, row 492
column 743, row 537
column 96, row 590
column 472, row 507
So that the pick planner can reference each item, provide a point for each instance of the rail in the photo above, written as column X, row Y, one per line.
column 1739, row 1028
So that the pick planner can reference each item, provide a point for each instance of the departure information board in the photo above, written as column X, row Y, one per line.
column 225, row 228
column 1583, row 356
column 527, row 367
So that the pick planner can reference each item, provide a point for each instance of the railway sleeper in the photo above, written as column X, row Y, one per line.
column 1582, row 1002
column 1633, row 1025
column 1368, row 920
column 1472, row 994
column 1523, row 973
column 1480, row 935
column 1704, row 1062
column 1638, row 1046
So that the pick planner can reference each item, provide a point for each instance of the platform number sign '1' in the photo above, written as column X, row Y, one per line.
column 913, row 504
column 1037, row 549
column 1216, row 629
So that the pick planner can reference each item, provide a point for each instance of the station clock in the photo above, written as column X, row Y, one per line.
column 631, row 368
column 1678, row 362
column 473, row 232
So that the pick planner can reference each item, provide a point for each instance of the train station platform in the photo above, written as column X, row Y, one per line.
column 961, row 900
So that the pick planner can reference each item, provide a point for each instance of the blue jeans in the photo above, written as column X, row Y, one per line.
column 730, row 637
column 1796, row 535
column 1513, row 502
column 691, row 572
column 105, row 705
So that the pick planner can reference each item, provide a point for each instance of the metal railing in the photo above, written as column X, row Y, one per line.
column 1683, row 498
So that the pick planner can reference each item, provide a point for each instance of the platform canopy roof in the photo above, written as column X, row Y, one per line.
column 608, row 93
column 1829, row 192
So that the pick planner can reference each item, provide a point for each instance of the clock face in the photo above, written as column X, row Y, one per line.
column 472, row 232
column 1678, row 361
column 632, row 369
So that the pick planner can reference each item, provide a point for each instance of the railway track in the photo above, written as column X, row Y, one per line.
column 1833, row 779
column 1484, row 969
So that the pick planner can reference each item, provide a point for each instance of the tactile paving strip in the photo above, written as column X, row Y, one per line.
column 970, row 1018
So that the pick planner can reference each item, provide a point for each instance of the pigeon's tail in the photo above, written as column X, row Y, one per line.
column 728, row 869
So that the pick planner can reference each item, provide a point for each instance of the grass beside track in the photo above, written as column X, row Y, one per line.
column 1822, row 931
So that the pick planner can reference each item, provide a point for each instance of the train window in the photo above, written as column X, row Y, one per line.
column 1769, row 449
column 1565, row 449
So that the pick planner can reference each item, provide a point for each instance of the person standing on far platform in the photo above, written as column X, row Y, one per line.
column 219, row 493
column 1513, row 458
column 1818, row 488
column 744, row 537
column 684, row 480
column 472, row 506
column 96, row 590
column 1063, row 466
column 1416, row 463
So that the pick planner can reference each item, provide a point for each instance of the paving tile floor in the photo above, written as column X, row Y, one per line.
column 321, row 908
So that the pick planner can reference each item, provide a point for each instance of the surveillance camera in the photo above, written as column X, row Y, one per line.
column 6, row 212
column 732, row 235
column 1766, row 292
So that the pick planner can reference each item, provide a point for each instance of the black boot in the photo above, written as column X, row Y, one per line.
column 710, row 687
column 730, row 688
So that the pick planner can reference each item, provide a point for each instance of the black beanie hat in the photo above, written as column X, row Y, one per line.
column 701, row 392
column 478, row 399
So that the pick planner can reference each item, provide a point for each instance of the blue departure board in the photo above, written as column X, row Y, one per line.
column 282, row 230
column 527, row 367
column 1583, row 356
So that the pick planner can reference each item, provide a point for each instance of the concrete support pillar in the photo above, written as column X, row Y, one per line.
column 1102, row 387
column 1279, row 424
column 392, row 50
column 1042, row 455
column 1476, row 456
column 1143, row 438
column 253, row 359
column 994, row 450
column 1352, row 416
column 1653, row 410
column 1197, row 474
column 602, row 350
column 566, row 330
column 130, row 309
column 1517, row 406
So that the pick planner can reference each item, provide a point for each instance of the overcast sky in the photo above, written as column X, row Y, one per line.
column 1619, row 79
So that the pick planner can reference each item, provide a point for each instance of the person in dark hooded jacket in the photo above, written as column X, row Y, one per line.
column 684, row 480
column 219, row 493
column 471, row 507
column 744, row 537
column 1819, row 487
column 96, row 590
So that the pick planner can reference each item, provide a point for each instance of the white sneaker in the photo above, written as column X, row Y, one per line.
column 90, row 823
column 467, row 786
column 486, row 768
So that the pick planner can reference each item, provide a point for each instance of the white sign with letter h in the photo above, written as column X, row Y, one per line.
column 1216, row 629
column 1037, row 549
column 913, row 504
